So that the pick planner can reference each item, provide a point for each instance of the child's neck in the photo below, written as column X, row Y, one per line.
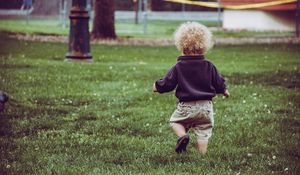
column 192, row 54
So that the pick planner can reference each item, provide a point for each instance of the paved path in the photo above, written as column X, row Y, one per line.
column 15, row 12
column 160, row 42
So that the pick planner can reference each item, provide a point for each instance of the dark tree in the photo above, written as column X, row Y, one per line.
column 104, row 20
column 136, row 9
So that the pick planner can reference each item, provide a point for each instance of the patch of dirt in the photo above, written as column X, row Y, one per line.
column 158, row 42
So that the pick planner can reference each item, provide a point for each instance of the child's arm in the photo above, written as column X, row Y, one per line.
column 219, row 83
column 168, row 83
column 154, row 87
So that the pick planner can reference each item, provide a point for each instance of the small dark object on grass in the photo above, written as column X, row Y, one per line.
column 3, row 100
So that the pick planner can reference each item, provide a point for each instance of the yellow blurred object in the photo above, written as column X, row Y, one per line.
column 234, row 7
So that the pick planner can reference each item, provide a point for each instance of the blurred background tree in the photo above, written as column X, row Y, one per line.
column 104, row 20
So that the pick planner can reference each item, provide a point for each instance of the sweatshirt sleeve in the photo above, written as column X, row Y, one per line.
column 218, row 81
column 168, row 83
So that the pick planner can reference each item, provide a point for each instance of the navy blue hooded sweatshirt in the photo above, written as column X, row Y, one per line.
column 194, row 78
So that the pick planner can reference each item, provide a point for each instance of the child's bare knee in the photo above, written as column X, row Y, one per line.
column 202, row 146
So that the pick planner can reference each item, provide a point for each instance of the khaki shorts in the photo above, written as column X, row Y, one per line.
column 195, row 115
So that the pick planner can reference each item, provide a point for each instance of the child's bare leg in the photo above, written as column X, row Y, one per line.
column 202, row 146
column 183, row 138
column 178, row 129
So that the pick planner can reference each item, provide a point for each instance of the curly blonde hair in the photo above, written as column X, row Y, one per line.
column 193, row 38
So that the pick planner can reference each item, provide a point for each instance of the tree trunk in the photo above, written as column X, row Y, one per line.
column 104, row 20
column 149, row 5
column 136, row 9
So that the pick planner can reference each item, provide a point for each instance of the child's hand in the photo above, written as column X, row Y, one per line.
column 154, row 88
column 226, row 93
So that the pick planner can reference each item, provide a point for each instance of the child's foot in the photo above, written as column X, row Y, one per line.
column 182, row 143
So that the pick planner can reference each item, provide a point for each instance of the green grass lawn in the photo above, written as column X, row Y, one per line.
column 102, row 117
column 126, row 28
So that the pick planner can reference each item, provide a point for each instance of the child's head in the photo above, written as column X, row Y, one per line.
column 192, row 38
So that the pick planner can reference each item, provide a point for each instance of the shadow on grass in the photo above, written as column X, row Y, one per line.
column 8, row 146
column 285, row 79
column 14, row 66
column 5, row 125
column 22, row 120
column 290, row 132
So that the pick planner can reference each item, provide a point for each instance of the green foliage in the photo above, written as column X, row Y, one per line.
column 102, row 118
